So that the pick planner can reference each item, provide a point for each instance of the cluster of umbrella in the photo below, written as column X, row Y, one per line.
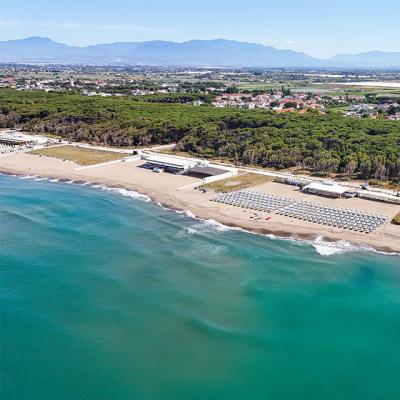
column 253, row 200
column 345, row 218
column 305, row 210
column 9, row 149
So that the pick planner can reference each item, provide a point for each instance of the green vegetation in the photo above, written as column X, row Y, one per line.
column 178, row 98
column 79, row 155
column 330, row 143
column 237, row 182
column 396, row 219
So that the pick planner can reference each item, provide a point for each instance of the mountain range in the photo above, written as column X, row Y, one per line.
column 203, row 53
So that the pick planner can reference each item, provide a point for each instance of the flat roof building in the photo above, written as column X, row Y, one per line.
column 325, row 189
column 165, row 161
column 204, row 172
column 379, row 196
column 18, row 138
column 201, row 169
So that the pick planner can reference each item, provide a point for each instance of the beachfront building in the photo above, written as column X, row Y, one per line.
column 12, row 141
column 326, row 189
column 15, row 138
column 168, row 163
column 200, row 169
column 379, row 196
column 204, row 172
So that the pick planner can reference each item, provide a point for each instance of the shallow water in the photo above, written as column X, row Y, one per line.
column 106, row 296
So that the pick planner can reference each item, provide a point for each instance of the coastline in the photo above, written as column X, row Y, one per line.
column 171, row 196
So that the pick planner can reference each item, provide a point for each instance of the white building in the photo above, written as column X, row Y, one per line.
column 325, row 189
column 172, row 162
column 13, row 137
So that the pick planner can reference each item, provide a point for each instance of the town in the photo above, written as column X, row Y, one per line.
column 357, row 94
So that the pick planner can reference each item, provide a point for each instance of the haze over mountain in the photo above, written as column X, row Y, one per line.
column 378, row 59
column 218, row 52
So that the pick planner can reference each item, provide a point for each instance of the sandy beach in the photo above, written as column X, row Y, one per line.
column 177, row 192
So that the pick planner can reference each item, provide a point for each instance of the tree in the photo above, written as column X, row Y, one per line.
column 286, row 92
column 290, row 104
column 350, row 167
column 317, row 142
column 232, row 89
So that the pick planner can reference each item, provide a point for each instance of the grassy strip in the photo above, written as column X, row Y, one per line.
column 237, row 182
column 79, row 155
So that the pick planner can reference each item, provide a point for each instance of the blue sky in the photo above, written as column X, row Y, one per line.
column 320, row 28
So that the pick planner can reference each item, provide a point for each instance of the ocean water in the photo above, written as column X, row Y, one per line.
column 105, row 295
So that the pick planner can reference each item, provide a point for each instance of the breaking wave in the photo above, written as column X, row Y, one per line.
column 123, row 192
column 203, row 226
column 341, row 247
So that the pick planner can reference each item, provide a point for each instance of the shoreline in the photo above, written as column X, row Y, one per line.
column 204, row 212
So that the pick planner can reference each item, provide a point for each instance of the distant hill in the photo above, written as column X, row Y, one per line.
column 374, row 59
column 218, row 53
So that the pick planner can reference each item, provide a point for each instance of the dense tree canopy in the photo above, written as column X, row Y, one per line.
column 321, row 143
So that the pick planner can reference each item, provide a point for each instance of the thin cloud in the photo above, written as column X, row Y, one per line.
column 57, row 25
column 139, row 28
column 288, row 41
column 8, row 24
column 78, row 26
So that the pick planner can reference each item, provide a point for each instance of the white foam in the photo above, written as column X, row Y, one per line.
column 206, row 226
column 189, row 214
column 342, row 246
column 331, row 248
column 218, row 226
column 322, row 247
column 124, row 192
column 209, row 225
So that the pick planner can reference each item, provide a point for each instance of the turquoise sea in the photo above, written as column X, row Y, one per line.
column 108, row 296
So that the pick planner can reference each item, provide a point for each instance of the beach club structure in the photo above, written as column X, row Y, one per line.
column 344, row 218
column 325, row 189
column 14, row 138
column 379, row 196
column 201, row 169
column 168, row 163
column 12, row 141
column 331, row 189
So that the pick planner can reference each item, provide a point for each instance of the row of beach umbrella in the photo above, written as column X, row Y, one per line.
column 345, row 218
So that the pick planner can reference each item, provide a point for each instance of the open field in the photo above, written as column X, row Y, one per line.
column 264, row 85
column 79, row 155
column 339, row 88
column 384, row 84
column 328, row 88
column 237, row 182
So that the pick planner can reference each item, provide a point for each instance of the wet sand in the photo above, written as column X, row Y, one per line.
column 177, row 192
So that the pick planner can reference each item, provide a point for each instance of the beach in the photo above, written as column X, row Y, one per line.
column 177, row 192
